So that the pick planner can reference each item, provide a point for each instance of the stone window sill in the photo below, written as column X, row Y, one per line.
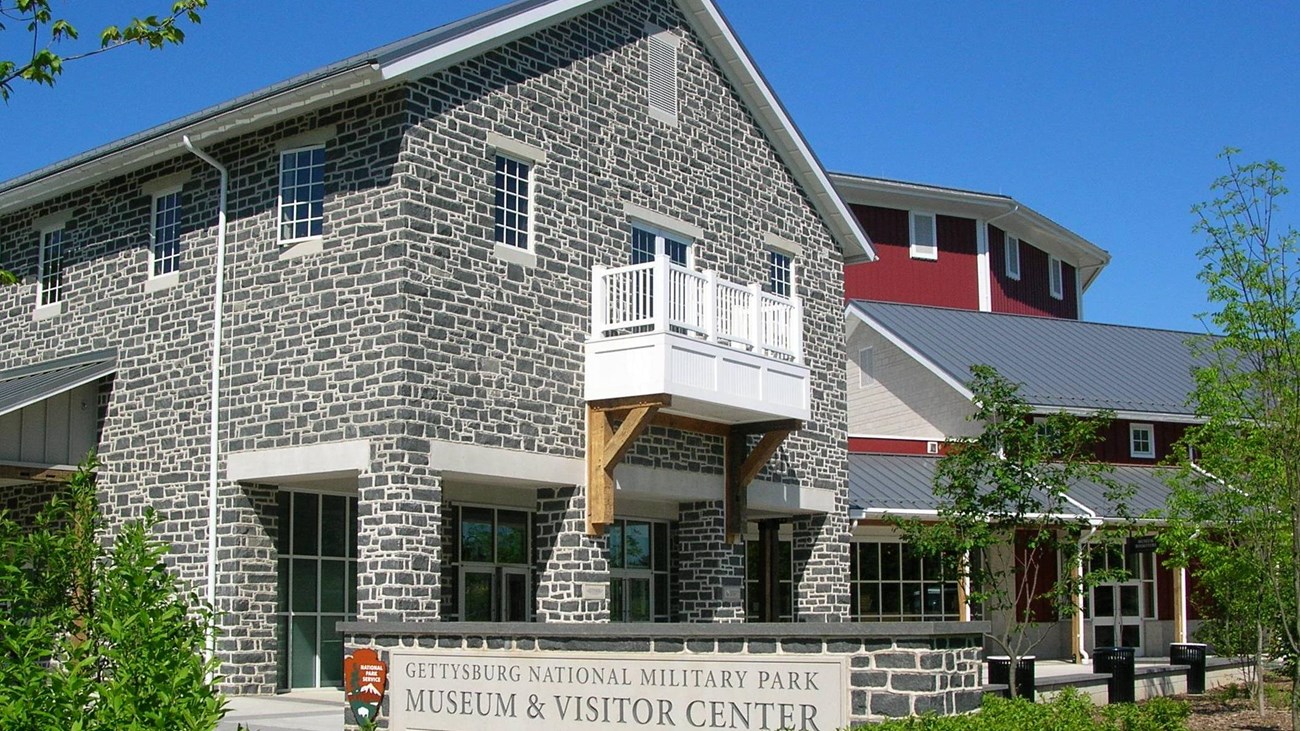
column 46, row 312
column 162, row 282
column 303, row 247
column 515, row 255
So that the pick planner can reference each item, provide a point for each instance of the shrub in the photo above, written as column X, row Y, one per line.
column 1068, row 711
column 94, row 638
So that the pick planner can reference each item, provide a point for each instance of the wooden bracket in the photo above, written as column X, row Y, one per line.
column 606, row 447
column 742, row 466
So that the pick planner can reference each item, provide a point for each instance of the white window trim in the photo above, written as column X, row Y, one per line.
column 1055, row 278
column 866, row 375
column 1010, row 244
column 279, row 204
column 153, row 233
column 913, row 248
column 524, row 255
column 794, row 279
column 1151, row 440
column 45, row 311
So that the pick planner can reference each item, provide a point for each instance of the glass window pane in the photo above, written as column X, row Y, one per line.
column 784, row 561
column 282, row 585
column 869, row 562
column 661, row 547
column 636, row 545
column 304, row 585
column 333, row 587
column 1103, row 601
column 282, row 652
column 616, row 545
column 890, row 558
column 891, row 601
column 616, row 600
column 306, row 520
column 869, row 601
column 512, row 537
column 911, row 563
column 303, row 661
column 912, row 600
column 331, row 652
column 352, row 527
column 1131, row 635
column 475, row 534
column 1129, row 601
column 334, row 526
column 638, row 600
column 515, row 602
column 661, row 599
column 1104, row 636
column 352, row 587
column 478, row 597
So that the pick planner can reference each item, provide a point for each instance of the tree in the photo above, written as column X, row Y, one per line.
column 48, row 31
column 1005, row 515
column 98, row 638
column 1249, row 395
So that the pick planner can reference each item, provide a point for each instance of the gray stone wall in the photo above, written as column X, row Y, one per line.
column 567, row 558
column 710, row 573
column 895, row 669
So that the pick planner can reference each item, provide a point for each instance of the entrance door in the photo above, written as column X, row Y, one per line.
column 1117, row 606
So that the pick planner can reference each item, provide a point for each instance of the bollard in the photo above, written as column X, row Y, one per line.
column 1000, row 674
column 1191, row 654
column 1118, row 661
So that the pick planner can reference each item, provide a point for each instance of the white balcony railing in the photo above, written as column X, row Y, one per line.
column 660, row 296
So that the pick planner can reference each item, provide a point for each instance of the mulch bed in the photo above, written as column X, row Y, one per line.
column 1217, row 711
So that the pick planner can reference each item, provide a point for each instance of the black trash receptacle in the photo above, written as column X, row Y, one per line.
column 1000, row 673
column 1118, row 661
column 1191, row 654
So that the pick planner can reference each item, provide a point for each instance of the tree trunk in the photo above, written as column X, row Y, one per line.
column 1258, row 680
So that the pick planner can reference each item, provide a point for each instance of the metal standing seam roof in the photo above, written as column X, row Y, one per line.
column 1058, row 363
column 22, row 387
column 906, row 483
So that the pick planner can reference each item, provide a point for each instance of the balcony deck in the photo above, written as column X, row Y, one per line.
column 725, row 352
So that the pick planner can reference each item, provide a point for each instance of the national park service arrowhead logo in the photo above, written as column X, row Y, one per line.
column 365, row 678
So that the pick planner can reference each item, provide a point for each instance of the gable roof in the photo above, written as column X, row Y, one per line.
column 1060, row 364
column 883, row 484
column 1005, row 212
column 423, row 54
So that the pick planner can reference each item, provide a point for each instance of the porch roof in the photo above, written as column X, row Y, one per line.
column 22, row 387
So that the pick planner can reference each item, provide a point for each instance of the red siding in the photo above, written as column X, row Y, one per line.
column 1115, row 446
column 1039, row 608
column 951, row 281
column 861, row 445
column 1031, row 294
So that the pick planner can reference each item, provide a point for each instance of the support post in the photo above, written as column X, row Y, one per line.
column 606, row 447
column 742, row 466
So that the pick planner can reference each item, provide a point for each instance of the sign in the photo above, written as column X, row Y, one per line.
column 478, row 690
column 365, row 678
column 1142, row 544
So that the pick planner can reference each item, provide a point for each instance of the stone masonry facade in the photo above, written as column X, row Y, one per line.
column 406, row 328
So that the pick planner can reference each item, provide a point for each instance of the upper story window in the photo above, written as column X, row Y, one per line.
column 49, row 284
column 1055, row 278
column 513, row 202
column 1141, row 441
column 166, row 233
column 302, row 193
column 1012, row 249
column 922, row 231
column 780, row 273
column 647, row 243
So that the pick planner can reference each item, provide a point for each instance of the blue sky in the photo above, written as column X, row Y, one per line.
column 1106, row 116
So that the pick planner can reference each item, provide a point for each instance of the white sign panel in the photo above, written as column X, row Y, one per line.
column 472, row 690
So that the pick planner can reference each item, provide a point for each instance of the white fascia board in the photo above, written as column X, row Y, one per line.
column 205, row 130
column 913, row 353
column 451, row 52
column 1144, row 416
column 785, row 136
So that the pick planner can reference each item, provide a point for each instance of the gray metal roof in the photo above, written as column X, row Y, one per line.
column 897, row 482
column 1058, row 363
column 25, row 386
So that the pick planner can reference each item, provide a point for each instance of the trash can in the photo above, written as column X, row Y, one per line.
column 1118, row 661
column 1191, row 654
column 1000, row 673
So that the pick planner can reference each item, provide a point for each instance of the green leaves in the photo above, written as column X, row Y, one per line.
column 46, row 64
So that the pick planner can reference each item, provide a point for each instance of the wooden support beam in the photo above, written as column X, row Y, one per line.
column 762, row 427
column 34, row 474
column 606, row 448
column 763, row 451
column 742, row 466
column 681, row 423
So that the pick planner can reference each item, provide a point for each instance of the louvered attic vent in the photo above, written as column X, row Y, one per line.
column 662, row 49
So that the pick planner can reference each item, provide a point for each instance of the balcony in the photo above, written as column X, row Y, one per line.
column 723, row 351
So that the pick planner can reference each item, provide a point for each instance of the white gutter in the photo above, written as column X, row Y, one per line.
column 214, row 420
column 1014, row 207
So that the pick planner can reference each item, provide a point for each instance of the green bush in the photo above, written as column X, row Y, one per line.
column 1068, row 711
column 94, row 638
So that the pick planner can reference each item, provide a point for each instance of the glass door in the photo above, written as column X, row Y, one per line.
column 1117, row 607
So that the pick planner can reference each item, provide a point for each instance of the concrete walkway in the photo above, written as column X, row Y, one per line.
column 306, row 710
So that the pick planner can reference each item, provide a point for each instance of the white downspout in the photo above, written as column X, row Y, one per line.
column 215, row 416
column 1093, row 525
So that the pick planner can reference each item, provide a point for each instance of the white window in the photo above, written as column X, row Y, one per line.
column 166, row 233
column 647, row 243
column 661, row 74
column 1141, row 441
column 780, row 273
column 513, row 202
column 1055, row 277
column 302, row 193
column 923, row 236
column 891, row 581
column 49, row 283
column 866, row 367
column 1012, row 249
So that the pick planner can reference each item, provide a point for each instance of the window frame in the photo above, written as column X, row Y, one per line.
column 655, row 575
column 919, row 251
column 497, row 568
column 60, row 287
column 528, row 178
column 1055, row 278
column 156, row 199
column 866, row 367
column 858, row 579
column 1150, row 452
column 1009, row 244
column 773, row 283
column 280, row 190
column 661, row 236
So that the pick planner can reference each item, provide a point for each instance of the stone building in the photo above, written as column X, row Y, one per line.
column 531, row 317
